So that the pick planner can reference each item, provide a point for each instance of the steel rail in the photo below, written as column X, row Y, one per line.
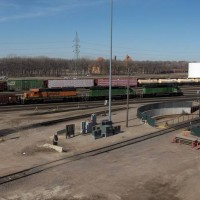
column 46, row 166
column 93, row 103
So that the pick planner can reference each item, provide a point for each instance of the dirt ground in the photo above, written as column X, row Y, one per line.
column 154, row 169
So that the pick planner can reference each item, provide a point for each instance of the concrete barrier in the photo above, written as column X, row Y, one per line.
column 167, row 111
column 50, row 146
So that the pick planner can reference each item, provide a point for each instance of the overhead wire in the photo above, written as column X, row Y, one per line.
column 100, row 49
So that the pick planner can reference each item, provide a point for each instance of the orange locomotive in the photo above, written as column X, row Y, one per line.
column 50, row 94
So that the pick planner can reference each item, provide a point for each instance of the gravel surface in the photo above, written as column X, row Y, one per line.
column 154, row 169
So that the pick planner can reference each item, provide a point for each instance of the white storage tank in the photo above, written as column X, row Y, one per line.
column 194, row 70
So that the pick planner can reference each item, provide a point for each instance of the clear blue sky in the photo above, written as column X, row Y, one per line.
column 143, row 29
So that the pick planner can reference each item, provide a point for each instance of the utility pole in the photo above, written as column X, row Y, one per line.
column 110, row 69
column 76, row 53
column 127, row 103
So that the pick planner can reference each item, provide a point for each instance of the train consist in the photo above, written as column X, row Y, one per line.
column 27, row 84
column 19, row 85
column 93, row 93
column 71, row 94
column 36, row 90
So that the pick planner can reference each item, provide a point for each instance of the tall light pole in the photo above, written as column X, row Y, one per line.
column 110, row 69
column 127, row 102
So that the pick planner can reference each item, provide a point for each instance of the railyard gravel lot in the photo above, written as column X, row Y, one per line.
column 154, row 169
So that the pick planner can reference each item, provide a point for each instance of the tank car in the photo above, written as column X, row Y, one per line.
column 142, row 82
column 168, row 81
column 182, row 81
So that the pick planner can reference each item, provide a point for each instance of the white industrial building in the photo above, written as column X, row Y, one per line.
column 194, row 70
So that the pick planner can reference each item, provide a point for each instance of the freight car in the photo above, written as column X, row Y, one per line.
column 161, row 90
column 50, row 95
column 9, row 99
column 141, row 82
column 3, row 86
column 119, row 82
column 25, row 84
column 77, row 83
column 97, row 93
column 87, row 83
column 178, row 81
column 168, row 81
column 187, row 81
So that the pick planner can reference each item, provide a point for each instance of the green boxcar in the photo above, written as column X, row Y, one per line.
column 103, row 92
column 161, row 90
column 21, row 85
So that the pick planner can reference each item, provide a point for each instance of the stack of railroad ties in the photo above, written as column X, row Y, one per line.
column 191, row 137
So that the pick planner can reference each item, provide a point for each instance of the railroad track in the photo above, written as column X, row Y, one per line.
column 88, row 104
column 189, row 92
column 43, row 167
column 116, row 106
column 73, row 116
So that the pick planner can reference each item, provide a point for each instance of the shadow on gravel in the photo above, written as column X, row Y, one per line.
column 4, row 132
column 125, row 120
column 51, row 111
column 136, row 125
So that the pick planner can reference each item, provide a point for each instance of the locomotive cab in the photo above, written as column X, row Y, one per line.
column 31, row 95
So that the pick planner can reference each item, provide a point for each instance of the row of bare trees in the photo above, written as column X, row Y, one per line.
column 53, row 67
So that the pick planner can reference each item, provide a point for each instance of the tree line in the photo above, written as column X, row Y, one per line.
column 54, row 67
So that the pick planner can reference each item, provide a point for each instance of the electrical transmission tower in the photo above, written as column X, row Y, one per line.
column 76, row 53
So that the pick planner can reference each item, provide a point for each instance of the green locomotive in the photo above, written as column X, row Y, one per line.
column 97, row 93
column 161, row 90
